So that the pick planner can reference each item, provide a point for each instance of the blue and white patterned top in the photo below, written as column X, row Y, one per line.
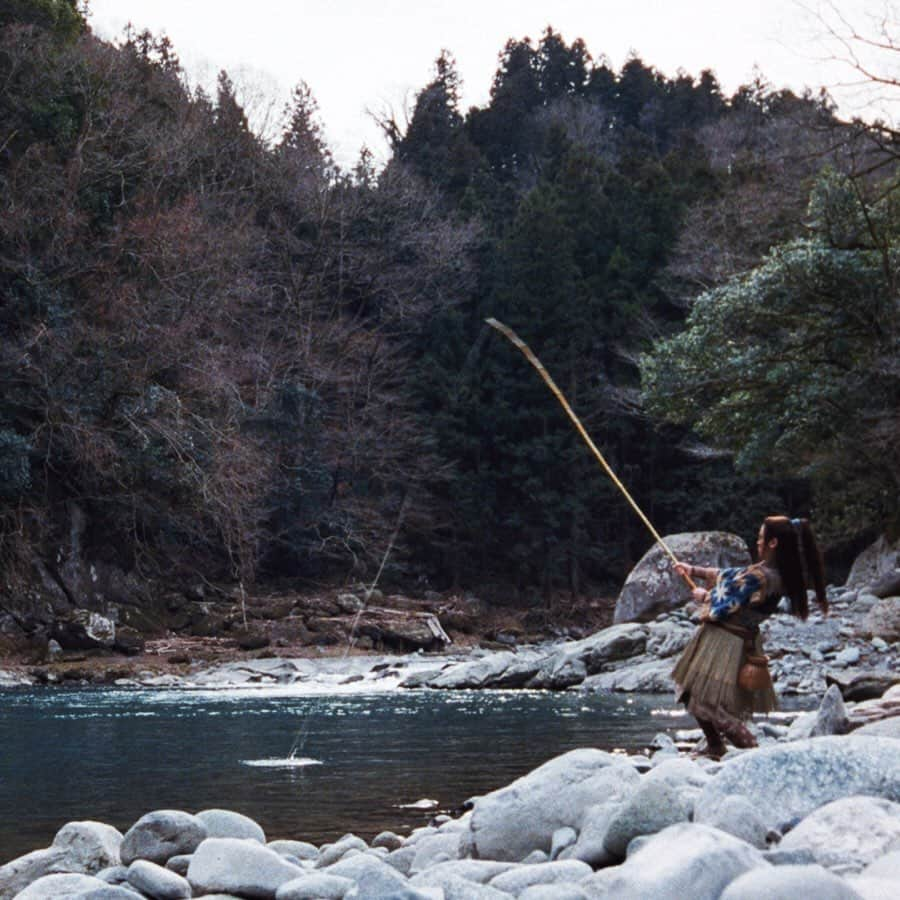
column 740, row 587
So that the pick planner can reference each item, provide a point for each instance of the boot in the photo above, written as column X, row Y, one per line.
column 739, row 734
column 715, row 745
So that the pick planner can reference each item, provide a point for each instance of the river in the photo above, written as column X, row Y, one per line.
column 112, row 755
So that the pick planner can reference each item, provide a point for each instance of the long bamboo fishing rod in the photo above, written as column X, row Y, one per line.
column 513, row 338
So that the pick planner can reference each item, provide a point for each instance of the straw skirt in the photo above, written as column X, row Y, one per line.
column 707, row 673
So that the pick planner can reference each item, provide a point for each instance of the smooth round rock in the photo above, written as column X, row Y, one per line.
column 156, row 882
column 789, row 883
column 160, row 835
column 315, row 886
column 245, row 868
column 225, row 823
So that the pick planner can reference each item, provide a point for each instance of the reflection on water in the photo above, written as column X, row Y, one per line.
column 112, row 755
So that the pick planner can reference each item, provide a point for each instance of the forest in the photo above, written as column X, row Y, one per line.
column 225, row 357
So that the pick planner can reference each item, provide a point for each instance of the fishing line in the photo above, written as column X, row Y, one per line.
column 303, row 731
column 514, row 339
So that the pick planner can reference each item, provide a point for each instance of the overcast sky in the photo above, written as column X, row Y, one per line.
column 361, row 55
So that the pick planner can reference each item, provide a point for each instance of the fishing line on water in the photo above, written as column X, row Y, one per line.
column 303, row 732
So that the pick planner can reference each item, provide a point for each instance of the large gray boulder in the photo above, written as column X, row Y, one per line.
column 652, row 587
column 653, row 676
column 78, row 847
column 848, row 834
column 509, row 823
column 161, row 834
column 883, row 620
column 227, row 823
column 681, row 861
column 561, row 671
column 877, row 560
column 609, row 645
column 789, row 882
column 789, row 781
column 242, row 867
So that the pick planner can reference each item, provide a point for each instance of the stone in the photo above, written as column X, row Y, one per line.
column 315, row 886
column 83, row 629
column 509, row 823
column 226, row 823
column 887, row 585
column 788, row 781
column 652, row 676
column 857, row 686
column 849, row 833
column 157, row 882
column 161, row 834
column 886, row 866
column 331, row 853
column 472, row 871
column 387, row 839
column 652, row 587
column 62, row 886
column 559, row 672
column 883, row 620
column 430, row 848
column 300, row 849
column 179, row 864
column 516, row 880
column 684, row 860
column 618, row 642
column 78, row 848
column 553, row 892
column 802, row 856
column 668, row 638
column 873, row 888
column 590, row 846
column 233, row 865
column 401, row 859
column 887, row 728
column 653, row 806
column 114, row 874
column 455, row 887
column 562, row 838
column 878, row 559
column 374, row 878
column 111, row 892
column 784, row 882
column 738, row 815
column 831, row 717
column 849, row 656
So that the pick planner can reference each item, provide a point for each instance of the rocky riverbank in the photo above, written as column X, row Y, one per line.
column 797, row 816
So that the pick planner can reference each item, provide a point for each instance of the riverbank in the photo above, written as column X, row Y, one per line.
column 798, row 814
column 633, row 657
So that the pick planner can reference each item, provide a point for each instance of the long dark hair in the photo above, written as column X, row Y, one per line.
column 798, row 560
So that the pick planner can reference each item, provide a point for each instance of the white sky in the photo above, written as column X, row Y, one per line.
column 359, row 55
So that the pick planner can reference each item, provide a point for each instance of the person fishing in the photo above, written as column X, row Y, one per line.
column 734, row 605
column 708, row 673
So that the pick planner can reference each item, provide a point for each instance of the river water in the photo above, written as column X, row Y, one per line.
column 112, row 755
